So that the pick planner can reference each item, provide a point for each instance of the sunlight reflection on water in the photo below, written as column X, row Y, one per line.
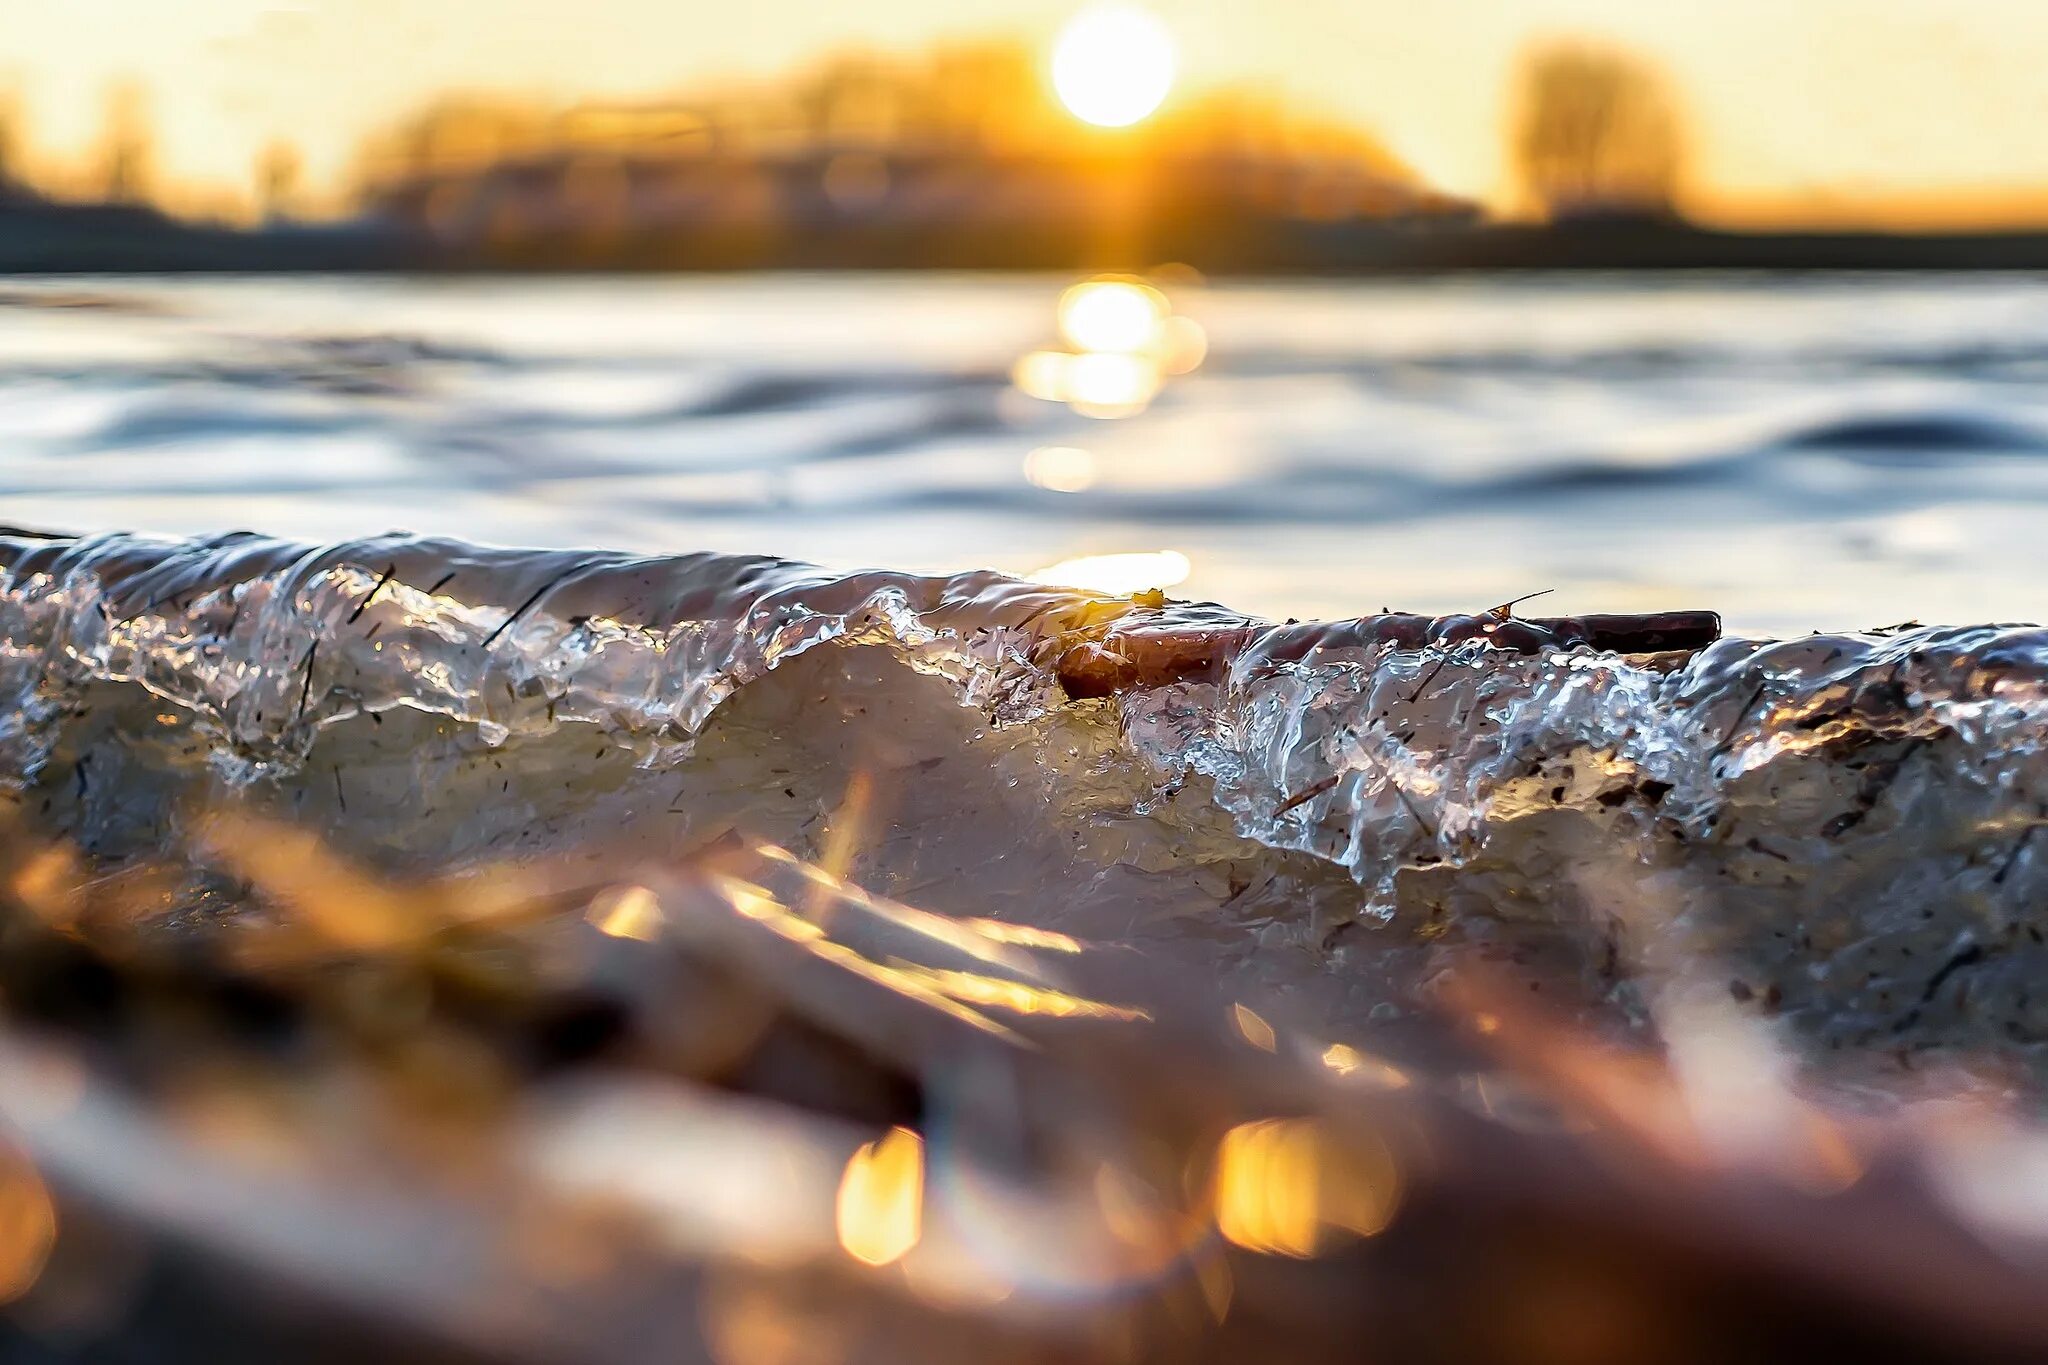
column 1635, row 443
column 1132, row 572
column 1123, row 340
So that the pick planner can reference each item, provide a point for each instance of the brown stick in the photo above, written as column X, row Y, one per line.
column 1151, row 649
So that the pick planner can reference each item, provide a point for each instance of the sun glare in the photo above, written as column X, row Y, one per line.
column 1113, row 64
column 1112, row 315
column 1120, row 574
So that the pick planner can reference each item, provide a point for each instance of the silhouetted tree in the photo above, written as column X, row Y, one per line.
column 12, row 177
column 1595, row 131
column 277, row 179
column 126, row 158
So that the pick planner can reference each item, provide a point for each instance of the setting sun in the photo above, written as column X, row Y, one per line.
column 1113, row 64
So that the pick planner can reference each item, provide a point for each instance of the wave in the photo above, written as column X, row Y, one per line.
column 1929, row 433
column 189, row 422
column 765, row 393
column 1833, row 834
column 2002, row 359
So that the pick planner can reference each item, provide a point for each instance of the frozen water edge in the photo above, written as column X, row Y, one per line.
column 1831, row 835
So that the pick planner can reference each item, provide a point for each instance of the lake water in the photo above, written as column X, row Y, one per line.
column 489, row 900
column 1826, row 452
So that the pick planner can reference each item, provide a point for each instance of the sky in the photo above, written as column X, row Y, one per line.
column 1928, row 111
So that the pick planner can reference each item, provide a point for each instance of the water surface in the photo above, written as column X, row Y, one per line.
column 1830, row 452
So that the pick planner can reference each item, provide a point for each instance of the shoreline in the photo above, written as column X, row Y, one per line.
column 99, row 239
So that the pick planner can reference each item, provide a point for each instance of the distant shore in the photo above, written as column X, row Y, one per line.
column 107, row 239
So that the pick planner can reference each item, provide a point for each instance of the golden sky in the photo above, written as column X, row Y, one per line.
column 1838, row 109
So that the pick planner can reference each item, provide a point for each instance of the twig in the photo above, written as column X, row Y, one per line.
column 306, row 688
column 1308, row 793
column 1423, row 686
column 1736, row 729
column 1502, row 610
column 364, row 605
column 2019, row 846
column 542, row 591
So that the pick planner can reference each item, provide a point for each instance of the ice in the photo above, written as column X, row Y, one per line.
column 1832, row 834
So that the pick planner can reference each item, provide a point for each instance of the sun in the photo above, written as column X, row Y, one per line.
column 1113, row 64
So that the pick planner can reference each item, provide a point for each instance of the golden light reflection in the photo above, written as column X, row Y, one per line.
column 1061, row 469
column 1252, row 1028
column 1109, row 384
column 627, row 912
column 1096, row 384
column 1349, row 1062
column 880, row 1211
column 757, row 904
column 968, row 936
column 46, row 882
column 334, row 904
column 1042, row 374
column 842, row 843
column 28, row 1227
column 1123, row 340
column 1281, row 1182
column 1024, row 935
column 1119, row 574
column 1266, row 1187
column 1113, row 64
column 1112, row 315
column 1018, row 997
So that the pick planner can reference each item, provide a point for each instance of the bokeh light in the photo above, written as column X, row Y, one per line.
column 1110, row 384
column 28, row 1226
column 881, row 1198
column 1112, row 315
column 1282, row 1184
column 1123, row 339
column 1062, row 469
column 627, row 912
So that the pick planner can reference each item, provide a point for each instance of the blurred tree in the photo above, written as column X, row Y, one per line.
column 13, row 179
column 852, row 98
column 1595, row 132
column 126, row 158
column 277, row 180
column 985, row 96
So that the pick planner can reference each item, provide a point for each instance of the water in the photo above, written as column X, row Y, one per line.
column 1828, row 452
column 574, row 953
column 1832, row 451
